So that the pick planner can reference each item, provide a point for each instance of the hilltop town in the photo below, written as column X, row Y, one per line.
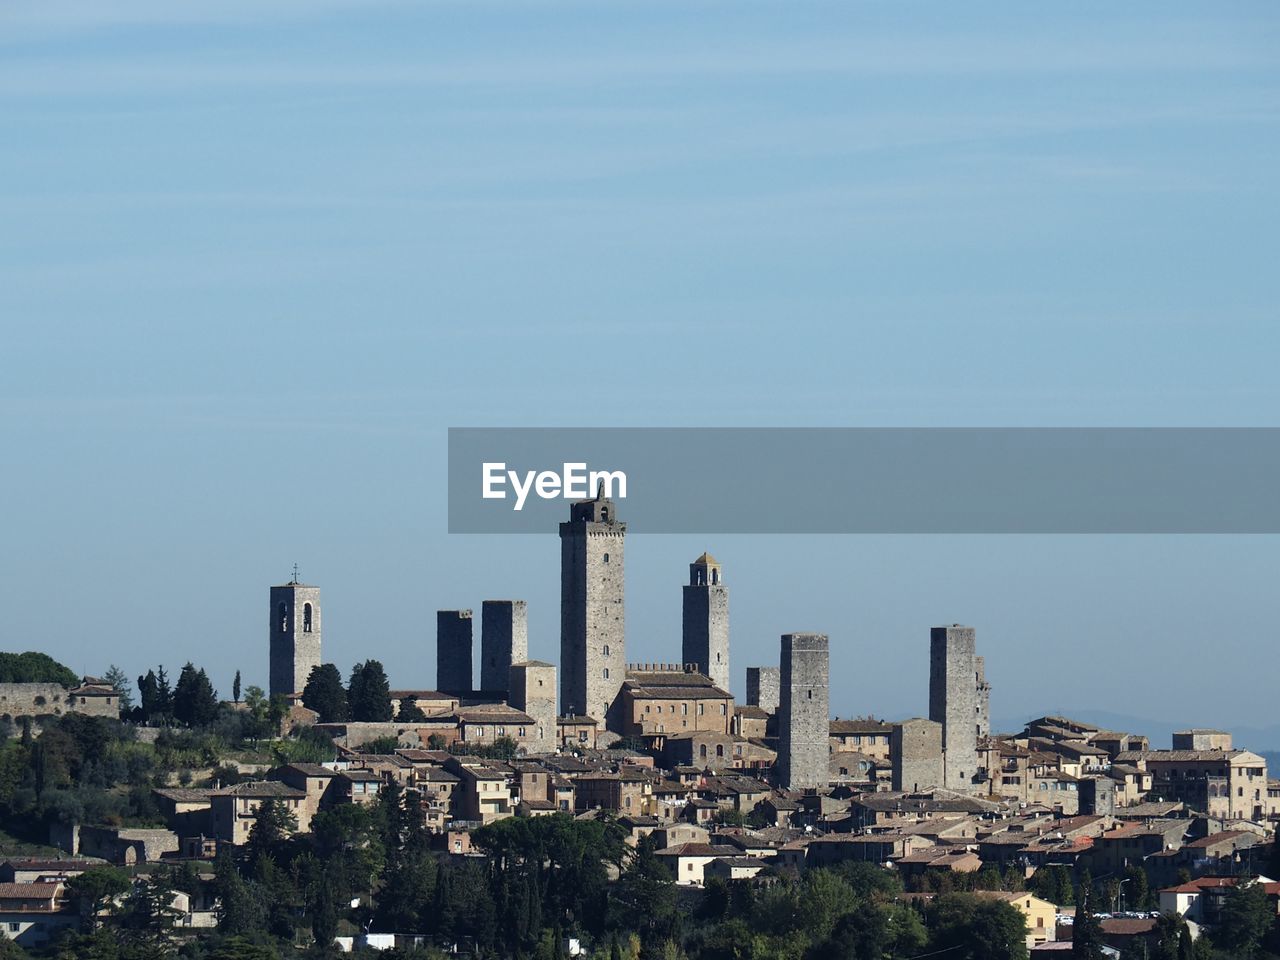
column 601, row 807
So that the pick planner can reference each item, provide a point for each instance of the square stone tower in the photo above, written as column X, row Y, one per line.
column 592, row 611
column 804, row 721
column 294, row 637
column 762, row 688
column 453, row 651
column 953, row 701
column 706, row 620
column 915, row 749
column 504, row 640
column 532, row 688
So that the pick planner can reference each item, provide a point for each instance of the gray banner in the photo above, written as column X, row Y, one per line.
column 889, row 480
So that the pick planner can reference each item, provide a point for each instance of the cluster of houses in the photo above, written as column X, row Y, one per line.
column 1199, row 817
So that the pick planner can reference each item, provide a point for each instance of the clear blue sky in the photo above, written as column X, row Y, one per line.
column 257, row 257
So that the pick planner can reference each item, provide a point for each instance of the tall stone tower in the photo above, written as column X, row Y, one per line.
column 592, row 610
column 706, row 620
column 454, row 651
column 532, row 688
column 804, row 721
column 504, row 640
column 762, row 688
column 953, row 701
column 295, row 636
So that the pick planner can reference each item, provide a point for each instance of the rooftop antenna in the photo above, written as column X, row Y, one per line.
column 295, row 574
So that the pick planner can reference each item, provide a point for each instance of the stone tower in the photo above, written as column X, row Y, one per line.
column 706, row 620
column 915, row 747
column 592, row 610
column 762, row 688
column 295, row 636
column 532, row 688
column 504, row 640
column 984, row 698
column 453, row 651
column 804, row 722
column 953, row 701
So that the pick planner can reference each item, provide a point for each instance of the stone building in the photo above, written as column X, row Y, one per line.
column 592, row 610
column 954, row 701
column 294, row 637
column 803, row 716
column 454, row 651
column 762, row 688
column 705, row 619
column 504, row 640
column 95, row 697
column 532, row 689
column 916, row 749
column 659, row 699
column 1201, row 740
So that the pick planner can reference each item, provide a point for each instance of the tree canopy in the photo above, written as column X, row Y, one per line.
column 33, row 667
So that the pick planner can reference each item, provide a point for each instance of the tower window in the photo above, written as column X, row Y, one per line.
column 605, row 650
column 306, row 618
column 284, row 618
column 606, row 673
column 605, row 558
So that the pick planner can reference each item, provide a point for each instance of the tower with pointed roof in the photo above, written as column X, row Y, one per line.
column 593, row 656
column 706, row 620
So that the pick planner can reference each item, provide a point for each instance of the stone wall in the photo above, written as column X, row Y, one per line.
column 532, row 688
column 915, row 749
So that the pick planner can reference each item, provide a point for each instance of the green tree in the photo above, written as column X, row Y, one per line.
column 369, row 693
column 410, row 712
column 195, row 702
column 272, row 825
column 978, row 928
column 235, row 688
column 1246, row 918
column 325, row 694
column 240, row 910
column 645, row 896
column 33, row 667
column 1086, row 931
column 120, row 682
column 95, row 889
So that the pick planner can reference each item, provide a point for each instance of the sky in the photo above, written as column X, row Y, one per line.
column 258, row 257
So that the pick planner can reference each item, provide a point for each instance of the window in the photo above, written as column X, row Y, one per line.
column 605, row 558
column 606, row 673
column 719, row 749
column 810, row 693
column 724, row 709
column 702, row 709
column 605, row 650
column 684, row 709
column 306, row 618
column 283, row 612
column 702, row 751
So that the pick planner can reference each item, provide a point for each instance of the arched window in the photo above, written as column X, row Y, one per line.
column 306, row 618
column 605, row 558
column 605, row 651
column 284, row 619
column 702, row 751
column 606, row 673
column 719, row 749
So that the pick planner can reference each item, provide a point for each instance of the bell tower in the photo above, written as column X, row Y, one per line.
column 294, row 631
